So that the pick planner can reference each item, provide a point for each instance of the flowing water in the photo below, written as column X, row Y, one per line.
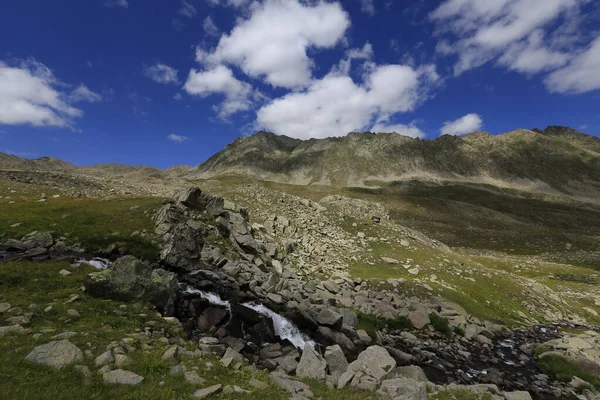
column 96, row 262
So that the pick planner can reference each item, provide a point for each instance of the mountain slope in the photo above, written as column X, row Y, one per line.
column 557, row 157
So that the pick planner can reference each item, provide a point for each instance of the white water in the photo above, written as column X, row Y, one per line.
column 97, row 262
column 284, row 328
column 211, row 297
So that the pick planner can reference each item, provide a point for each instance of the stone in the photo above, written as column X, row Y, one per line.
column 64, row 272
column 193, row 378
column 104, row 359
column 234, row 356
column 336, row 361
column 331, row 286
column 413, row 372
column 330, row 318
column 291, row 385
column 375, row 362
column 402, row 389
column 12, row 329
column 122, row 377
column 176, row 370
column 203, row 393
column 517, row 395
column 350, row 317
column 260, row 385
column 41, row 239
column 311, row 365
column 364, row 337
column 4, row 307
column 57, row 354
column 389, row 260
column 170, row 356
column 73, row 313
column 121, row 360
column 275, row 298
column 419, row 319
column 129, row 279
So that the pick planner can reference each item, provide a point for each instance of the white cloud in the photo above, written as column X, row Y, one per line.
column 161, row 73
column 177, row 138
column 209, row 27
column 467, row 124
column 366, row 53
column 336, row 105
column 273, row 42
column 406, row 130
column 220, row 80
column 581, row 75
column 29, row 94
column 485, row 30
column 178, row 96
column 117, row 3
column 367, row 6
column 187, row 10
column 83, row 93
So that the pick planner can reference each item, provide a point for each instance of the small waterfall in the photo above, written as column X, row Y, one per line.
column 284, row 328
column 211, row 297
column 96, row 262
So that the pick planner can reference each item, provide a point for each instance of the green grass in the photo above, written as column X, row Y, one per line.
column 93, row 223
column 564, row 370
column 371, row 324
column 102, row 322
column 440, row 324
column 459, row 394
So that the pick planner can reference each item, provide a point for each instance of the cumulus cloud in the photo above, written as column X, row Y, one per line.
column 273, row 42
column 581, row 75
column 30, row 94
column 229, row 3
column 220, row 80
column 161, row 73
column 187, row 10
column 467, row 124
column 177, row 96
column 177, row 138
column 336, row 105
column 83, row 93
column 482, row 31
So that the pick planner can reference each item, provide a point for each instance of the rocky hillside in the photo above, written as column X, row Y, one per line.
column 555, row 159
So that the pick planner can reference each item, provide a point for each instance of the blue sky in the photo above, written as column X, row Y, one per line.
column 165, row 82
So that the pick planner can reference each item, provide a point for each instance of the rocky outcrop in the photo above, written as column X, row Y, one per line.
column 37, row 246
column 56, row 354
column 130, row 279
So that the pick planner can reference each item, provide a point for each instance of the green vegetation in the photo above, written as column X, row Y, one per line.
column 93, row 223
column 371, row 324
column 100, row 323
column 564, row 370
column 440, row 323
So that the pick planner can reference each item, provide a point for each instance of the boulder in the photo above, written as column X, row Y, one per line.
column 336, row 362
column 412, row 372
column 330, row 318
column 374, row 363
column 57, row 354
column 122, row 377
column 402, row 389
column 203, row 393
column 311, row 364
column 419, row 319
column 517, row 395
column 129, row 279
column 183, row 248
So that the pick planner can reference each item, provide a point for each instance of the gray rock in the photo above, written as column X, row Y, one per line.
column 233, row 355
column 330, row 318
column 350, row 317
column 183, row 248
column 413, row 372
column 203, row 393
column 104, row 359
column 291, row 385
column 12, row 329
column 419, row 319
column 517, row 396
column 331, row 286
column 311, row 364
column 375, row 362
column 130, row 279
column 122, row 377
column 4, row 307
column 56, row 354
column 170, row 356
column 121, row 360
column 336, row 362
column 193, row 378
column 402, row 389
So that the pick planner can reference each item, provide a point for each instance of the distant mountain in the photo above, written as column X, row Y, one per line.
column 8, row 161
column 557, row 157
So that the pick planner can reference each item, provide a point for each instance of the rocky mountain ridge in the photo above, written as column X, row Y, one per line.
column 556, row 159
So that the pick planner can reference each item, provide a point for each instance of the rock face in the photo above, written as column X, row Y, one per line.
column 311, row 365
column 56, row 354
column 130, row 279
